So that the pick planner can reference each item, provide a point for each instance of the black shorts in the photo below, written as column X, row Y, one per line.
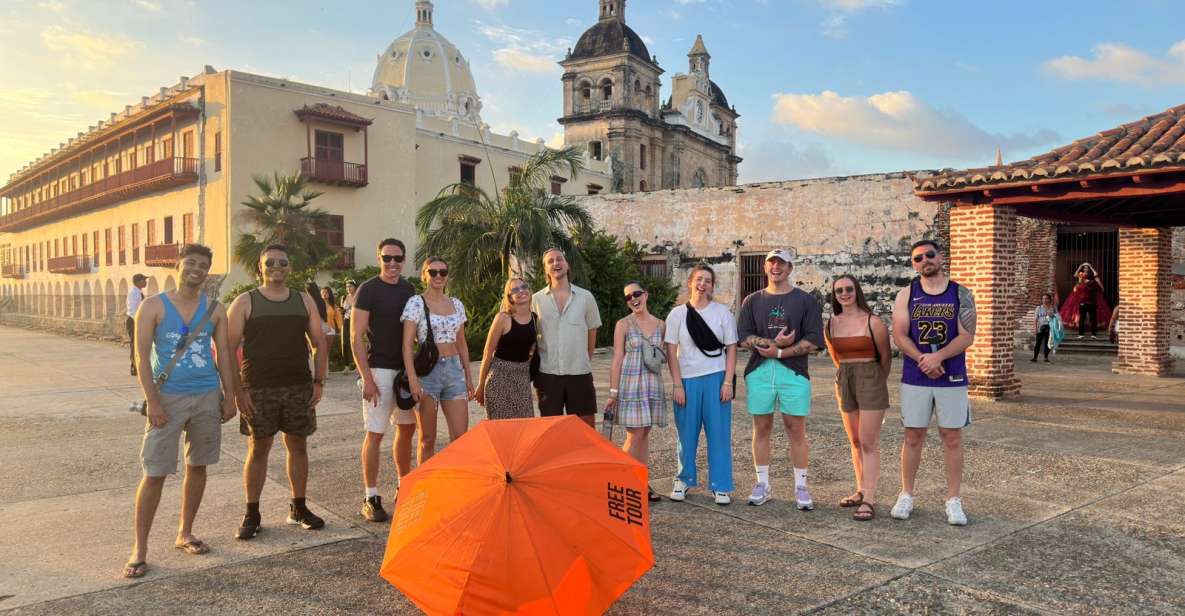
column 574, row 392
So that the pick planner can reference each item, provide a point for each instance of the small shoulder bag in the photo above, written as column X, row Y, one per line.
column 653, row 357
column 427, row 355
column 141, row 406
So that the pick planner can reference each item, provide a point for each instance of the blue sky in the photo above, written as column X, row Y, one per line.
column 824, row 87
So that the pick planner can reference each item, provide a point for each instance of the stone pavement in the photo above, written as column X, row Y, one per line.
column 1074, row 496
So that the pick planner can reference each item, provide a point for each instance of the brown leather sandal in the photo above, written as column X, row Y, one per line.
column 862, row 514
column 853, row 500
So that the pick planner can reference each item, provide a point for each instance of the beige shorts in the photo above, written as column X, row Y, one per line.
column 378, row 418
column 861, row 387
column 199, row 417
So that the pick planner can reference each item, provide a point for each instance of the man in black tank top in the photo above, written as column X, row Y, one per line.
column 276, row 325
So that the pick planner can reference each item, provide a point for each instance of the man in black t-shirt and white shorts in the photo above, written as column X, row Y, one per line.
column 377, row 342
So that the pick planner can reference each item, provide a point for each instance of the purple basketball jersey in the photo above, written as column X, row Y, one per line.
column 933, row 324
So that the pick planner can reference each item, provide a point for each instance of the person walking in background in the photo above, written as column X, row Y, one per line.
column 347, row 310
column 377, row 344
column 1041, row 319
column 442, row 318
column 135, row 297
column 196, row 398
column 781, row 325
column 568, row 319
column 333, row 320
column 635, row 389
column 859, row 345
column 933, row 324
column 276, row 326
column 1087, row 302
column 701, row 338
column 504, row 385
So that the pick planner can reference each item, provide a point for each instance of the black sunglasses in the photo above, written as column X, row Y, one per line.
column 276, row 262
column 437, row 272
column 634, row 295
column 390, row 258
column 844, row 290
column 929, row 254
column 519, row 289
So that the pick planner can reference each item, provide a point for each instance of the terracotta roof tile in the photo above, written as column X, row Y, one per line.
column 1154, row 142
column 332, row 113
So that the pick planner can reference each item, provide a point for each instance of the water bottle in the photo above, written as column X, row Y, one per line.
column 607, row 424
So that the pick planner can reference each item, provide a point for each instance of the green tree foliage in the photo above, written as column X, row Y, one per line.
column 282, row 214
column 610, row 265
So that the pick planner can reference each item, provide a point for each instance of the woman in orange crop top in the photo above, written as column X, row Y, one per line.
column 859, row 345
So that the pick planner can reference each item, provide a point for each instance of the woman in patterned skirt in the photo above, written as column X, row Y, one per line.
column 635, row 392
column 504, row 386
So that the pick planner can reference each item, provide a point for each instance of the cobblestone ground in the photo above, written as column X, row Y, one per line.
column 1073, row 494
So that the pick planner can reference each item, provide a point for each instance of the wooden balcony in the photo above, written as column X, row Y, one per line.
column 73, row 264
column 334, row 172
column 155, row 176
column 161, row 255
column 13, row 270
column 345, row 258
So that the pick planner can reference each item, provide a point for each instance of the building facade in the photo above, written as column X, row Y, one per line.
column 122, row 196
column 613, row 108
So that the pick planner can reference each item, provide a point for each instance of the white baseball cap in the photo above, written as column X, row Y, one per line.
column 778, row 253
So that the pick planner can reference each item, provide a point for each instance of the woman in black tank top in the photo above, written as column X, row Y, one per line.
column 504, row 386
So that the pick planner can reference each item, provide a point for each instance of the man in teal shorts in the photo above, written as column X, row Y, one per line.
column 780, row 325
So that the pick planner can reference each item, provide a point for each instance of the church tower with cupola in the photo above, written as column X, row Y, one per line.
column 613, row 109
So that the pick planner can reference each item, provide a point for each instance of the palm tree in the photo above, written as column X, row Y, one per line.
column 281, row 215
column 481, row 236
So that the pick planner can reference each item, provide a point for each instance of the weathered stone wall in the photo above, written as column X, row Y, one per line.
column 1177, row 300
column 861, row 225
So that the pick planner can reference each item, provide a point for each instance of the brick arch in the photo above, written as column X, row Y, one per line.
column 153, row 287
column 88, row 301
column 97, row 300
column 109, row 302
column 122, row 297
column 56, row 307
column 76, row 300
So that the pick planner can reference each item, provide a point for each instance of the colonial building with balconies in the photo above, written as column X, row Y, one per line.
column 120, row 197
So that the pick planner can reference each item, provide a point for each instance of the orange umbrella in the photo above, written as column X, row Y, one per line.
column 521, row 516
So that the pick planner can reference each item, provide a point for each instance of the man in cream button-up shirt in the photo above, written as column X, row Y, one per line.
column 568, row 322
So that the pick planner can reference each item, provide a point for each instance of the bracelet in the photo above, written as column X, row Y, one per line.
column 613, row 391
column 779, row 352
column 318, row 381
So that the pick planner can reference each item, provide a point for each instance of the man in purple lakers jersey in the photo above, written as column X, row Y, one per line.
column 933, row 324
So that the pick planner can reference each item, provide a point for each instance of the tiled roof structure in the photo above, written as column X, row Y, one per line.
column 332, row 113
column 1154, row 143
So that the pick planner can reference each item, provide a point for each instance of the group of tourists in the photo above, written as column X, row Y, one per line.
column 266, row 358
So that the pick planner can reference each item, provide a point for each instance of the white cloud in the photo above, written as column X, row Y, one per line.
column 148, row 5
column 89, row 50
column 833, row 27
column 53, row 6
column 195, row 41
column 775, row 160
column 1122, row 64
column 491, row 5
column 898, row 121
column 528, row 51
column 855, row 6
column 556, row 141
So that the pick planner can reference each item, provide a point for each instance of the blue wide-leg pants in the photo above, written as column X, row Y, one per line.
column 705, row 409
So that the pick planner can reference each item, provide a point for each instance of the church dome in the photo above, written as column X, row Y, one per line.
column 422, row 68
column 607, row 38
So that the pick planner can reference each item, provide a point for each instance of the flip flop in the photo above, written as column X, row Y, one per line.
column 195, row 547
column 135, row 570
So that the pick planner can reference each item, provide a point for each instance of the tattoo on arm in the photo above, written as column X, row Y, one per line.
column 966, row 309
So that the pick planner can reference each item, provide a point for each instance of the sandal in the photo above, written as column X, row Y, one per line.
column 135, row 570
column 195, row 547
column 862, row 514
column 653, row 496
column 852, row 501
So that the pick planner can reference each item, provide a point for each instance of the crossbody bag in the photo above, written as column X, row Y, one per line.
column 141, row 406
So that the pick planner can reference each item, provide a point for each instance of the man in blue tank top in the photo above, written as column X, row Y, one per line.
column 196, row 398
column 933, row 324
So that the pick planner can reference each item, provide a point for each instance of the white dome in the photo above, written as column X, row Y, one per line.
column 423, row 69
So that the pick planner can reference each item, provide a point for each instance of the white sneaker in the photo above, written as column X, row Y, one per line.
column 903, row 507
column 722, row 498
column 954, row 512
column 678, row 491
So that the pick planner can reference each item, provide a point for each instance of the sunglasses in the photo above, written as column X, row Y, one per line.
column 276, row 262
column 929, row 254
column 437, row 272
column 390, row 258
column 634, row 295
column 519, row 289
column 844, row 290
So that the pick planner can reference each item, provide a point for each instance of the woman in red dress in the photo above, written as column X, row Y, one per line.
column 1086, row 303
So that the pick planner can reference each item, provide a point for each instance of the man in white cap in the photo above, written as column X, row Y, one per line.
column 780, row 325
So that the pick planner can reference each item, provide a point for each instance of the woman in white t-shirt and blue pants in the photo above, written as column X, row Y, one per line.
column 703, row 387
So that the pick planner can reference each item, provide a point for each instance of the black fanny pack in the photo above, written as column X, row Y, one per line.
column 704, row 338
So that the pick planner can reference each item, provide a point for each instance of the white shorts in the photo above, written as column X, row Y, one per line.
column 379, row 417
column 919, row 403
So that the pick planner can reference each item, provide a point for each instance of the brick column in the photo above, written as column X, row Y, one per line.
column 1145, row 293
column 983, row 257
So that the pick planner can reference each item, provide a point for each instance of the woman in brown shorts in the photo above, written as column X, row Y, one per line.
column 859, row 344
column 504, row 386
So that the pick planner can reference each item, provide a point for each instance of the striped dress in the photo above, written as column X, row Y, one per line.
column 641, row 401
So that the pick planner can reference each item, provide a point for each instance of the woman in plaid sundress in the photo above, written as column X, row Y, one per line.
column 635, row 392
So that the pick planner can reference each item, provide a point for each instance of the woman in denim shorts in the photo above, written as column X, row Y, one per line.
column 449, row 383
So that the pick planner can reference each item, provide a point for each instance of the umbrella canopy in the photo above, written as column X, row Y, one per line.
column 521, row 516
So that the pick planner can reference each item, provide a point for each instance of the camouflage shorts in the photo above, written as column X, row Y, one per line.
column 280, row 409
